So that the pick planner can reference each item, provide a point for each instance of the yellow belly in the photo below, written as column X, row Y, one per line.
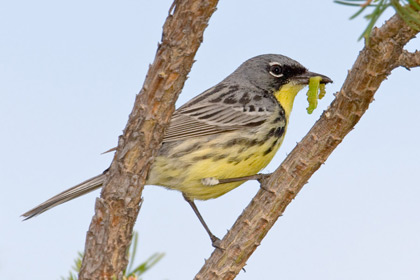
column 190, row 161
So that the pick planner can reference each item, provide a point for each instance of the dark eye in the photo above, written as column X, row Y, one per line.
column 276, row 70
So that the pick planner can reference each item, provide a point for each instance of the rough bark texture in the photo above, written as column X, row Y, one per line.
column 372, row 66
column 409, row 60
column 116, row 210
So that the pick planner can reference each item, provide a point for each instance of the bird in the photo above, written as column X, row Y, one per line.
column 222, row 137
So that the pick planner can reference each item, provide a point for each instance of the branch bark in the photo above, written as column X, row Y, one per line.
column 374, row 63
column 116, row 210
column 409, row 59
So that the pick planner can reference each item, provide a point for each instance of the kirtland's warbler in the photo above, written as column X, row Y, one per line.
column 231, row 130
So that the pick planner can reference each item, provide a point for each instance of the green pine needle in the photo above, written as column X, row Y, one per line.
column 408, row 10
column 133, row 273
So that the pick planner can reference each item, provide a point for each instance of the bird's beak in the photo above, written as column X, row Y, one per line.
column 303, row 79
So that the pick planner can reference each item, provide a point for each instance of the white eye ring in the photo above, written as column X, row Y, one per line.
column 275, row 69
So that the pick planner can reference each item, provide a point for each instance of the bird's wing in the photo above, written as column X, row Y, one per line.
column 209, row 114
column 217, row 110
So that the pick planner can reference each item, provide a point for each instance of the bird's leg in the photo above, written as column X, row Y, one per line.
column 213, row 181
column 214, row 240
column 259, row 177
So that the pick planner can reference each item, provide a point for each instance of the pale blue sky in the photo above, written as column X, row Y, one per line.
column 69, row 72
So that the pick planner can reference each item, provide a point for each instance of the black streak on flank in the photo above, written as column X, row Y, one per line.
column 270, row 134
column 251, row 108
column 203, row 157
column 248, row 157
column 269, row 150
column 278, row 119
column 242, row 142
column 281, row 112
column 253, row 142
column 236, row 141
column 279, row 132
column 245, row 143
column 275, row 132
column 274, row 143
column 219, row 157
column 234, row 160
column 257, row 97
column 187, row 150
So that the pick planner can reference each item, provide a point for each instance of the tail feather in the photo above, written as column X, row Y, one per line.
column 76, row 191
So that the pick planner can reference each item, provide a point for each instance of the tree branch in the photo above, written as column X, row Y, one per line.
column 116, row 210
column 409, row 59
column 372, row 66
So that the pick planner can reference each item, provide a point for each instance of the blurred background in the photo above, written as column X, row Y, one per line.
column 69, row 73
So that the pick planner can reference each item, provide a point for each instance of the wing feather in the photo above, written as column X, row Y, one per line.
column 207, row 118
column 209, row 113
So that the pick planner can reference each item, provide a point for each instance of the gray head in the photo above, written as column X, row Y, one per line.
column 271, row 71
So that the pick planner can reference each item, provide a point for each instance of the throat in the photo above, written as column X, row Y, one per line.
column 286, row 96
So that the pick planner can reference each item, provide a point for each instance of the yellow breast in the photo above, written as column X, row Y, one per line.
column 227, row 155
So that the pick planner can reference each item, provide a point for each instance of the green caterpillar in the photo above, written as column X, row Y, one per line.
column 316, row 91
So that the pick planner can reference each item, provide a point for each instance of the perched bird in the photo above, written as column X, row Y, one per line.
column 231, row 130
